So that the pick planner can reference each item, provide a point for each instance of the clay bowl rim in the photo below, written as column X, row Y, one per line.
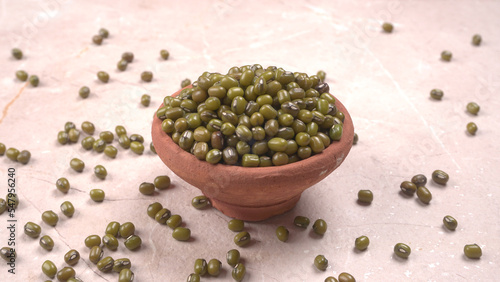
column 328, row 153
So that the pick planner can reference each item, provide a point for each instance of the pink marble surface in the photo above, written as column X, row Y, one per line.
column 383, row 79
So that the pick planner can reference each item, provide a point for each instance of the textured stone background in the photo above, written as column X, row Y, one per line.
column 383, row 79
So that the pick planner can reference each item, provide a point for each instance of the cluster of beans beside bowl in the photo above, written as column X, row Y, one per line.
column 165, row 217
column 253, row 117
column 14, row 154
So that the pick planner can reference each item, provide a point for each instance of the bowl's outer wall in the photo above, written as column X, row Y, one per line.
column 252, row 187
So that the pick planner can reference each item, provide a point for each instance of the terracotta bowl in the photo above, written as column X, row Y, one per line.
column 256, row 193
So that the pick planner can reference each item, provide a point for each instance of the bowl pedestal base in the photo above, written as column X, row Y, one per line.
column 254, row 213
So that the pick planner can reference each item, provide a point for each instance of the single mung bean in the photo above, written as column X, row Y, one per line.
column 84, row 92
column 301, row 221
column 282, row 233
column 200, row 266
column 162, row 182
column 77, row 164
column 331, row 279
column 181, row 234
column 153, row 209
column 99, row 145
column 67, row 208
column 72, row 257
column 419, row 180
column 446, row 55
column 476, row 40
column 100, row 171
column 185, row 82
column 62, row 184
column 92, row 240
column 450, row 223
column 12, row 154
column 124, row 141
column 110, row 151
column 3, row 205
column 120, row 130
column 120, row 264
column 145, row 100
column 321, row 262
column 17, row 53
column 66, row 273
column 152, row 148
column 164, row 54
column 147, row 76
column 242, row 239
column 122, row 65
column 50, row 218
column 103, row 32
column 346, row 277
column 238, row 272
column 126, row 229
column 355, row 139
column 440, row 177
column 106, row 264
column 361, row 243
column 46, row 242
column 126, row 275
column 112, row 228
column 162, row 216
column 97, row 195
column 107, row 136
column 8, row 253
column 213, row 267
column 21, row 75
column 473, row 251
column 95, row 254
column 110, row 242
column 133, row 242
column 473, row 108
column 387, row 27
column 193, row 277
column 472, row 128
column 34, row 80
column 402, row 250
column 174, row 221
column 2, row 149
column 437, row 94
column 103, row 76
column 88, row 127
column 49, row 268
column 73, row 135
column 32, row 229
column 233, row 257
column 236, row 225
column 365, row 196
column 408, row 187
column 320, row 227
column 137, row 147
column 128, row 57
column 200, row 202
column 335, row 132
column 97, row 39
column 147, row 188
column 424, row 195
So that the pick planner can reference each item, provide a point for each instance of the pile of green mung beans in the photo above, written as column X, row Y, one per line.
column 253, row 117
